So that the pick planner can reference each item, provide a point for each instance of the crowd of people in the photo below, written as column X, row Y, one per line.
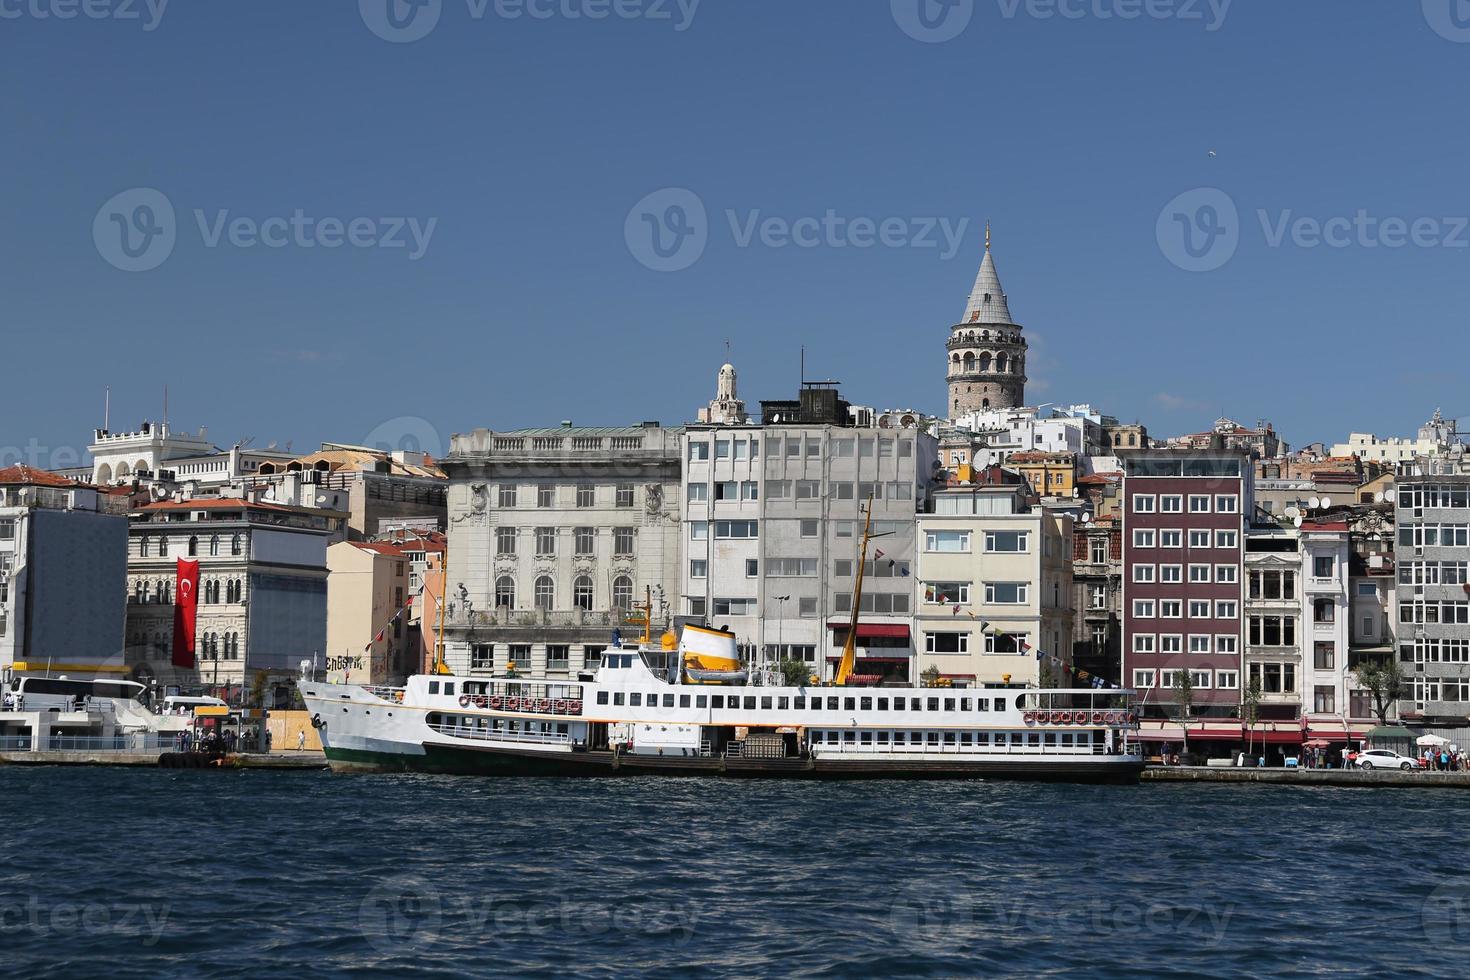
column 214, row 742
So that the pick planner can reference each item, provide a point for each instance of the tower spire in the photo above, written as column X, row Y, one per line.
column 987, row 234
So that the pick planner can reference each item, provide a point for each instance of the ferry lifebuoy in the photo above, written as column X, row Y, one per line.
column 1030, row 717
column 1113, row 717
column 1097, row 717
column 559, row 706
column 464, row 700
column 1066, row 717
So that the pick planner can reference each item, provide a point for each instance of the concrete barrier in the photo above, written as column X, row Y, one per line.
column 1307, row 777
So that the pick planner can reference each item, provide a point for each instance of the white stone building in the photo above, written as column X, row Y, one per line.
column 154, row 452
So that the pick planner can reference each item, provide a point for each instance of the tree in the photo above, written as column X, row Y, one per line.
column 795, row 673
column 1250, row 709
column 1386, row 682
column 259, row 681
column 1184, row 701
column 930, row 676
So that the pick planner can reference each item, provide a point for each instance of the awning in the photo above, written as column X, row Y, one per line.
column 870, row 659
column 898, row 631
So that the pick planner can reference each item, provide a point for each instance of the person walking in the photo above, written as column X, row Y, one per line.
column 301, row 740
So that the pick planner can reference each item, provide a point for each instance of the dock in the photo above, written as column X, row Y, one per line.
column 103, row 757
column 1417, row 779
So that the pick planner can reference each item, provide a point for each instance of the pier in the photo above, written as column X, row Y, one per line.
column 1306, row 777
column 154, row 759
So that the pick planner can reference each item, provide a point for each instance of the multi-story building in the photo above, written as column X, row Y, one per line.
column 1260, row 442
column 63, row 575
column 1274, row 624
column 1437, row 437
column 1005, row 432
column 1433, row 559
column 994, row 580
column 262, row 594
column 554, row 534
column 1326, row 623
column 378, row 490
column 1049, row 474
column 1097, row 598
column 156, row 453
column 774, row 516
column 368, row 593
column 1183, row 548
column 1372, row 585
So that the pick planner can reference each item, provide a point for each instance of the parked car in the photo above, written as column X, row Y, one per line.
column 1386, row 759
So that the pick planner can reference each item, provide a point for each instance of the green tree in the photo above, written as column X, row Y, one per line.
column 930, row 676
column 259, row 681
column 1385, row 680
column 795, row 673
column 1184, row 701
column 1250, row 710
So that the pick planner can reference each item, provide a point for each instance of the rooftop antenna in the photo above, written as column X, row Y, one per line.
column 165, row 408
column 803, row 367
column 106, row 407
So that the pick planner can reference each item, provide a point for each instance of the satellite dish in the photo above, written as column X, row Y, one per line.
column 1086, row 518
column 1314, row 503
column 1380, row 497
column 1293, row 511
column 1326, row 502
column 1296, row 521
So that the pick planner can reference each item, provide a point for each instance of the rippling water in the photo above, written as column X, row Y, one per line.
column 155, row 872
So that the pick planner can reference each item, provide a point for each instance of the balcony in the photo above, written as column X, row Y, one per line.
column 538, row 617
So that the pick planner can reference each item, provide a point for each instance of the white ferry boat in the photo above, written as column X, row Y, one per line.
column 633, row 716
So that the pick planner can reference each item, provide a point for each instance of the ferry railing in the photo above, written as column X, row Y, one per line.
column 15, row 743
column 958, row 748
column 494, row 735
column 109, row 743
column 386, row 693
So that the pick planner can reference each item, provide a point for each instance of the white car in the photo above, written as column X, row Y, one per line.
column 1386, row 759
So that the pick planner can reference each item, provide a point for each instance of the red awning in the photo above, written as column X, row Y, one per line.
column 896, row 630
column 866, row 659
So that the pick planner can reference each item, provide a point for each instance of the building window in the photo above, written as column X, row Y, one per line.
column 1199, row 539
column 947, row 642
column 1098, row 548
column 1097, row 597
column 806, row 607
column 545, row 495
column 622, row 592
column 584, row 539
column 1227, row 503
column 214, row 545
column 1144, row 503
column 1007, row 593
column 1171, row 503
column 1323, row 699
column 622, row 542
column 1323, row 566
column 1144, row 609
column 163, row 546
column 725, row 530
column 698, row 568
column 624, row 496
column 945, row 593
column 698, row 493
column 809, row 529
column 1199, row 503
column 1227, row 539
column 1171, row 574
column 506, row 497
column 1272, row 631
column 752, row 567
column 698, row 450
column 558, row 656
column 1171, row 609
column 582, row 592
column 1227, row 680
column 1005, row 643
column 1324, row 611
column 482, row 656
column 1323, row 656
column 505, row 540
column 546, row 541
column 234, row 545
column 1144, row 643
column 699, row 530
column 586, row 496
column 1171, row 538
column 734, row 607
column 1226, row 610
column 142, row 541
column 1144, row 538
column 696, row 606
column 505, row 592
column 1226, row 574
column 1199, row 574
column 947, row 542
column 1199, row 644
column 1143, row 679
column 545, row 592
column 1143, row 573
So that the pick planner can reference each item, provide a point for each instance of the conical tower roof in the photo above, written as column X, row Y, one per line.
column 988, row 300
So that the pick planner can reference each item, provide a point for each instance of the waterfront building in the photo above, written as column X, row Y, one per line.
column 63, row 575
column 1433, row 615
column 368, row 592
column 1372, row 584
column 1259, row 442
column 554, row 534
column 994, row 588
column 1184, row 523
column 1274, row 630
column 1002, row 433
column 1437, row 437
column 773, row 520
column 378, row 490
column 1051, row 475
column 155, row 453
column 985, row 355
column 1097, row 598
column 261, row 599
column 1327, row 615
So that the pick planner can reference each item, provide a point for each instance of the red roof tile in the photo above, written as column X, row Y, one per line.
column 23, row 475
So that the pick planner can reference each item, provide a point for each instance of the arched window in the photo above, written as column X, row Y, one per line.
column 104, row 473
column 143, row 546
column 1000, row 363
column 163, row 546
column 505, row 592
column 122, row 471
column 969, row 362
column 582, row 592
column 234, row 544
column 545, row 592
column 213, row 545
column 984, row 363
column 193, row 546
column 622, row 592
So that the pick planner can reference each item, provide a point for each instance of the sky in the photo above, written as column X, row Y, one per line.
column 387, row 221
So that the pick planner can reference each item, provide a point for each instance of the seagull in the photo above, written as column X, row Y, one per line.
column 1213, row 154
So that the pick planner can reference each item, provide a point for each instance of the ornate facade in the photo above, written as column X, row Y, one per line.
column 986, row 351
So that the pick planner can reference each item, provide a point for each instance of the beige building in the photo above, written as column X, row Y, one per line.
column 368, row 635
column 994, row 581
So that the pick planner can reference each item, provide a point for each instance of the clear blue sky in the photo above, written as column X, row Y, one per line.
column 529, row 141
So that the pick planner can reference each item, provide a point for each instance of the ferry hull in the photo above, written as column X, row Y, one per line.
column 455, row 760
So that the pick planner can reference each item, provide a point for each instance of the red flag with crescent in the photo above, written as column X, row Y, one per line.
column 186, row 604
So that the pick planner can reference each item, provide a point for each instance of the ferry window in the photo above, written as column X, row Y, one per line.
column 831, row 704
column 898, row 738
column 982, row 738
column 949, row 704
column 916, row 704
column 866, row 704
column 618, row 697
column 701, row 701
column 1033, row 739
column 882, row 738
column 683, row 700
column 1051, row 738
column 1000, row 704
column 849, row 704
column 1066, row 738
column 602, row 697
column 669, row 700
column 765, row 704
column 1001, row 738
column 800, row 702
column 882, row 704
column 750, row 702
column 433, row 687
column 561, row 729
column 933, row 704
column 848, row 737
column 982, row 704
column 635, row 700
column 964, row 704
column 949, row 738
column 866, row 738
column 783, row 704
column 933, row 738
column 718, row 701
column 964, row 738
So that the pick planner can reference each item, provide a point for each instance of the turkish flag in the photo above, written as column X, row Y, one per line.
column 186, row 588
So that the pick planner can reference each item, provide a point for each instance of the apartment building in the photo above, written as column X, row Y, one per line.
column 1097, row 598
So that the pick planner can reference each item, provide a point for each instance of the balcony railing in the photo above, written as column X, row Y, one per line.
column 537, row 617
